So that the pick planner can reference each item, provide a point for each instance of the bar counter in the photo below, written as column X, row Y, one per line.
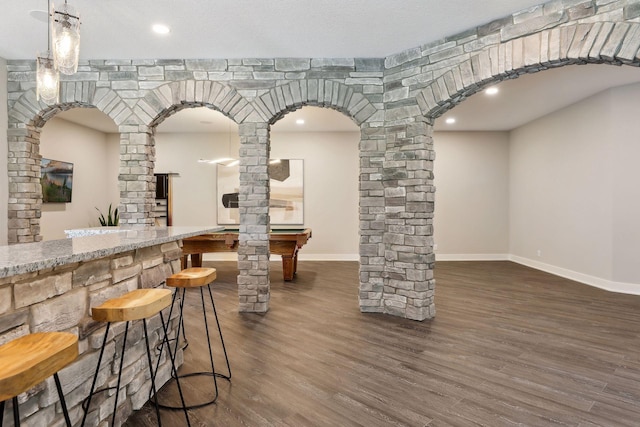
column 88, row 244
column 52, row 285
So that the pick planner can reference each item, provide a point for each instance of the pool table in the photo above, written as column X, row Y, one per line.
column 284, row 242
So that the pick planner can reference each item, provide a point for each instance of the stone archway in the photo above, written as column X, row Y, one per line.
column 454, row 71
column 600, row 43
column 26, row 119
column 169, row 98
column 254, row 286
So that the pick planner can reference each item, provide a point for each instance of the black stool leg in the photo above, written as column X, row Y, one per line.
column 62, row 401
column 174, row 371
column 219, row 332
column 95, row 376
column 181, row 323
column 2, row 412
column 173, row 301
column 184, row 333
column 16, row 412
column 206, row 327
column 152, row 376
column 124, row 346
column 175, row 351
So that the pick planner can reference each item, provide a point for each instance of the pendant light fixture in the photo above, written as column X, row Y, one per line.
column 66, row 38
column 47, row 76
column 224, row 161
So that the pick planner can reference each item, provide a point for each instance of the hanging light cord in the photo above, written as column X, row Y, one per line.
column 49, row 25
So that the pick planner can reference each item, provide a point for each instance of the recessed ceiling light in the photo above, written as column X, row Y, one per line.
column 491, row 91
column 161, row 29
column 450, row 121
column 206, row 122
column 300, row 121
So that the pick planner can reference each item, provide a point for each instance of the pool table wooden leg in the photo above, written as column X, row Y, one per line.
column 196, row 261
column 288, row 267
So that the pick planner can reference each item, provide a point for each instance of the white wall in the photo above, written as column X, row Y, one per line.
column 113, row 167
column 4, row 189
column 194, row 191
column 472, row 195
column 574, row 191
column 561, row 186
column 331, row 168
column 95, row 181
column 560, row 193
column 625, row 113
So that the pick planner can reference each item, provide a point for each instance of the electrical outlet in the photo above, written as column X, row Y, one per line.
column 435, row 246
column 539, row 253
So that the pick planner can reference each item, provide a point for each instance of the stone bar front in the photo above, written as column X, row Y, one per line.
column 52, row 285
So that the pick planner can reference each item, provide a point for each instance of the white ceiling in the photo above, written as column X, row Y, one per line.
column 121, row 29
column 532, row 96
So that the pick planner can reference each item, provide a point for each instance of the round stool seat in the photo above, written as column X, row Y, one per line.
column 31, row 359
column 135, row 305
column 192, row 277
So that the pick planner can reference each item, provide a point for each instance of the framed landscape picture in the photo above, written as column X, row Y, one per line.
column 286, row 205
column 56, row 178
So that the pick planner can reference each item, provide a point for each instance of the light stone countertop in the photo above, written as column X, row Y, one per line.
column 92, row 243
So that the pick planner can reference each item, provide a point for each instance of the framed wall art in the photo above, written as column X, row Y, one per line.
column 56, row 179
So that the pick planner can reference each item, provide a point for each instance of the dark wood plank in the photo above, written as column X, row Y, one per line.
column 509, row 346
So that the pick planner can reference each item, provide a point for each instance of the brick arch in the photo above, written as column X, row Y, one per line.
column 27, row 116
column 72, row 95
column 599, row 43
column 170, row 98
column 280, row 100
column 253, row 252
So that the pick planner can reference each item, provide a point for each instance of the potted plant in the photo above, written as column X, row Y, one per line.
column 112, row 218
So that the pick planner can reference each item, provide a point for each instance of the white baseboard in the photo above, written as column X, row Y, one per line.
column 233, row 256
column 608, row 285
column 220, row 256
column 472, row 257
column 327, row 257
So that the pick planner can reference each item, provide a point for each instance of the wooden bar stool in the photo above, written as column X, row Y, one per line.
column 198, row 277
column 31, row 359
column 139, row 304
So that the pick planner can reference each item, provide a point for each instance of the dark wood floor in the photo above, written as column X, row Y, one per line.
column 509, row 346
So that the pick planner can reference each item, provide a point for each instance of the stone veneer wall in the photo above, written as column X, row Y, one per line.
column 59, row 299
column 394, row 100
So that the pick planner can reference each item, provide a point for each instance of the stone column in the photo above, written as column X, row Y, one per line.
column 137, row 184
column 25, row 192
column 253, row 250
column 408, row 237
column 372, row 218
